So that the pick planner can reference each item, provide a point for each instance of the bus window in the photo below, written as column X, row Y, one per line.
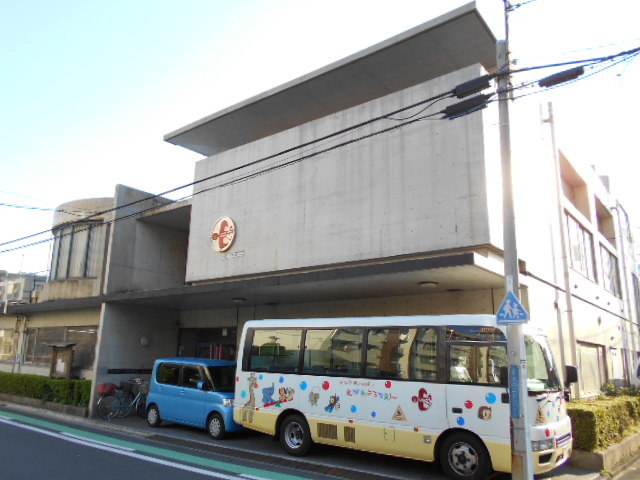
column 388, row 352
column 333, row 351
column 276, row 350
column 424, row 355
column 404, row 353
column 476, row 364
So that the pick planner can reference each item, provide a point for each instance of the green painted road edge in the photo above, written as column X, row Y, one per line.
column 160, row 452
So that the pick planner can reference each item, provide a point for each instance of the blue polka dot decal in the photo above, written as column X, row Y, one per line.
column 374, row 414
column 243, row 394
column 491, row 397
column 303, row 385
column 281, row 379
column 354, row 408
column 460, row 421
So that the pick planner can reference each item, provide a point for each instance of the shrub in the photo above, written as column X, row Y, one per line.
column 597, row 424
column 67, row 392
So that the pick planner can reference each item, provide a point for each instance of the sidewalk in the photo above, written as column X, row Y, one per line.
column 137, row 426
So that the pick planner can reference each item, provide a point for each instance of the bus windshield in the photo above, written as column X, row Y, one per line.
column 541, row 371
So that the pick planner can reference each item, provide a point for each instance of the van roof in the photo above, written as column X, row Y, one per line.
column 207, row 362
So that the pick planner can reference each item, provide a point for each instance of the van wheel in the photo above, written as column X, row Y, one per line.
column 153, row 416
column 295, row 435
column 464, row 457
column 215, row 425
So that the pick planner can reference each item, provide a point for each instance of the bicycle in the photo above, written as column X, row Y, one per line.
column 117, row 401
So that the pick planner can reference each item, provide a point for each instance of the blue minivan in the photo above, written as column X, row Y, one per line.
column 193, row 391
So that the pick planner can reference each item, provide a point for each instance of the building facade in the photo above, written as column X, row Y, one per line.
column 321, row 198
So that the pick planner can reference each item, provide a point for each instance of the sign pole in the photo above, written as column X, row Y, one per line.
column 521, row 462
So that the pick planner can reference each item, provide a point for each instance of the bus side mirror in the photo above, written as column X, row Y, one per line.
column 570, row 375
column 504, row 376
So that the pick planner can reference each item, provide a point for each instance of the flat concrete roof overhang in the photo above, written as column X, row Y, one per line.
column 445, row 44
column 454, row 272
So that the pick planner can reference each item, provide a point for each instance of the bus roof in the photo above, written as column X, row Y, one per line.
column 405, row 321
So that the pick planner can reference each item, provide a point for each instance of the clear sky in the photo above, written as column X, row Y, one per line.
column 89, row 88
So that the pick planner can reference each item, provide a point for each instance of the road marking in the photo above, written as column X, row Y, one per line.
column 98, row 442
column 128, row 453
column 124, row 447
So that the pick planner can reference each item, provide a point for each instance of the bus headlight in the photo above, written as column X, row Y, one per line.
column 227, row 402
column 540, row 445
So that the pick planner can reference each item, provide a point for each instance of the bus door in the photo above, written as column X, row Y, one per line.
column 476, row 400
column 403, row 398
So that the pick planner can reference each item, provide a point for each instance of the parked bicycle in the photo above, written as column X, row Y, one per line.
column 117, row 401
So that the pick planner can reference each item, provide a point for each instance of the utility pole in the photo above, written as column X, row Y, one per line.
column 521, row 461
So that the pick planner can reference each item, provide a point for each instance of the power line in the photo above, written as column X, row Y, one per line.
column 629, row 54
column 255, row 162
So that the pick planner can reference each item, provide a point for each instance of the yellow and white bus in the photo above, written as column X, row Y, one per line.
column 431, row 388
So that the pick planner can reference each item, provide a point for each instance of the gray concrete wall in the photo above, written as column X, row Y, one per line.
column 120, row 345
column 419, row 188
column 446, row 303
column 143, row 256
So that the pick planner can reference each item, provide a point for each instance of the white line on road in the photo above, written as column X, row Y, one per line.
column 112, row 449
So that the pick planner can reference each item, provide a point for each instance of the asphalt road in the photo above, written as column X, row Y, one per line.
column 34, row 448
column 160, row 451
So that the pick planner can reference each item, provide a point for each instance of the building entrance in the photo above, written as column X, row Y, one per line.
column 218, row 343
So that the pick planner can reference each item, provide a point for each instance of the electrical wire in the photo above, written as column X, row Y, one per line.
column 255, row 162
column 629, row 54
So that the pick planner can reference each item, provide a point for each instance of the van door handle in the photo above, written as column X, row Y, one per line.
column 456, row 410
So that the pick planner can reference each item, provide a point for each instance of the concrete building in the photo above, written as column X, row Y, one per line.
column 399, row 216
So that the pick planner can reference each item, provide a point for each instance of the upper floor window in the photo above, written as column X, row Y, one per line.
column 77, row 250
column 610, row 275
column 581, row 248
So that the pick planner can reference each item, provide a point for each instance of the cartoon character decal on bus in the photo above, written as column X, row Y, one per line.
column 484, row 413
column 249, row 407
column 334, row 403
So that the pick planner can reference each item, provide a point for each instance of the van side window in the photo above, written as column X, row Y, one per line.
column 336, row 351
column 168, row 373
column 276, row 350
column 191, row 376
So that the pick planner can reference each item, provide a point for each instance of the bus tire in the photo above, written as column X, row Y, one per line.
column 295, row 435
column 464, row 457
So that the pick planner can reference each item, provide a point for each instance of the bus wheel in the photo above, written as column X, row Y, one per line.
column 295, row 435
column 464, row 457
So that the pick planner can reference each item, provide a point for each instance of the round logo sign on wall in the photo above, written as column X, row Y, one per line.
column 222, row 234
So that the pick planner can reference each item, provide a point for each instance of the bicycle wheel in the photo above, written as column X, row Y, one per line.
column 123, row 403
column 141, row 406
column 105, row 407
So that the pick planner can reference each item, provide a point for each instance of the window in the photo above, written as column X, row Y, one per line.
column 168, row 373
column 38, row 343
column 224, row 378
column 581, row 248
column 610, row 277
column 191, row 376
column 85, row 345
column 77, row 250
column 8, row 343
column 37, row 349
column 336, row 351
column 404, row 353
column 541, row 372
column 276, row 350
column 592, row 368
column 476, row 364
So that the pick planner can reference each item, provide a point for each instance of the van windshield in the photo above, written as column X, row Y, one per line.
column 223, row 378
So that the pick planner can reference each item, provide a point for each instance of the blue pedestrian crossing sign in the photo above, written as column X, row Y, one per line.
column 511, row 311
